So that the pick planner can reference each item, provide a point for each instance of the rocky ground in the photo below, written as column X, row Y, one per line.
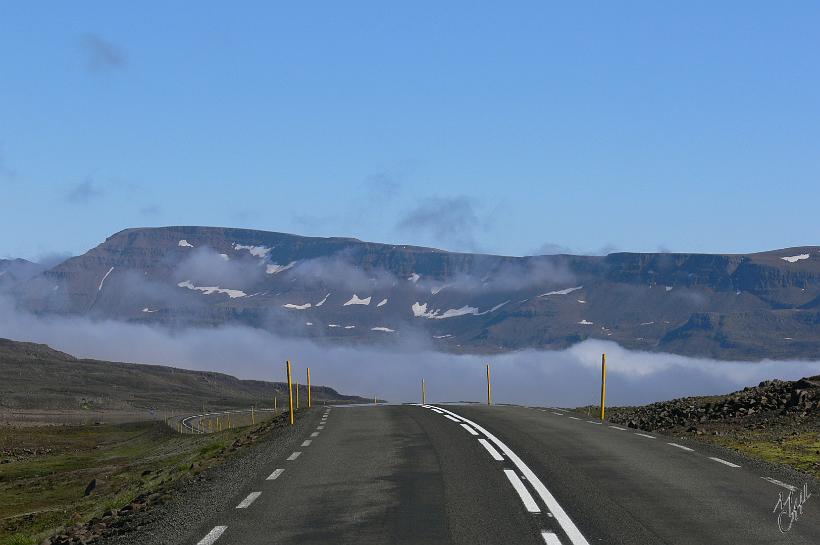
column 778, row 421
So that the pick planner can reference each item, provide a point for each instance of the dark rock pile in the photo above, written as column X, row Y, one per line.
column 751, row 407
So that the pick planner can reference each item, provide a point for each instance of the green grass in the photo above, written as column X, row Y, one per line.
column 43, row 493
column 802, row 451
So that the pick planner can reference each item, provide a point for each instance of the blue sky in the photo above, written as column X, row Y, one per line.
column 687, row 126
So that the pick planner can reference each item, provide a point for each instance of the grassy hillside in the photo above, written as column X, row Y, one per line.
column 38, row 378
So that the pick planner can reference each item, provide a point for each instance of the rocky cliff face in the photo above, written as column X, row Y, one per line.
column 764, row 305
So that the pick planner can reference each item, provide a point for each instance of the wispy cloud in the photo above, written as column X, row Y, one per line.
column 549, row 248
column 102, row 55
column 449, row 221
column 83, row 192
column 150, row 210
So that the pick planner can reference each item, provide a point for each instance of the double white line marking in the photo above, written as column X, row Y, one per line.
column 549, row 500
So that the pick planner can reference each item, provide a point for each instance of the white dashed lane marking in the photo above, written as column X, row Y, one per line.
column 559, row 414
column 469, row 429
column 550, row 538
column 575, row 418
column 722, row 461
column 320, row 427
column 451, row 418
column 494, row 453
column 275, row 474
column 780, row 483
column 523, row 493
column 294, row 456
column 594, row 422
column 618, row 428
column 645, row 435
column 680, row 447
column 213, row 535
column 306, row 443
column 315, row 434
column 244, row 504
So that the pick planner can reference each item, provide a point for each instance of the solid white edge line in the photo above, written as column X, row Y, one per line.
column 469, row 429
column 306, row 443
column 618, row 428
column 680, row 447
column 722, row 461
column 780, row 483
column 244, row 504
column 213, row 535
column 451, row 418
column 491, row 449
column 273, row 476
column 552, row 504
column 645, row 435
column 523, row 493
column 294, row 456
column 550, row 538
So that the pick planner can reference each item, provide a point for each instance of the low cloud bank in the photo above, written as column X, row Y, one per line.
column 566, row 378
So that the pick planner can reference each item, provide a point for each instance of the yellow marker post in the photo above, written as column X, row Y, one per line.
column 603, row 386
column 489, row 387
column 423, row 393
column 310, row 403
column 290, row 394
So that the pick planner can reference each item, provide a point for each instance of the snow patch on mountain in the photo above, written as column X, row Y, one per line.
column 561, row 292
column 184, row 244
column 356, row 301
column 256, row 251
column 275, row 268
column 414, row 278
column 382, row 328
column 208, row 290
column 382, row 302
column 146, row 309
column 322, row 302
column 586, row 322
column 420, row 311
column 99, row 288
column 297, row 307
column 795, row 258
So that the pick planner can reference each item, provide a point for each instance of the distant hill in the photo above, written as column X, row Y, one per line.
column 37, row 377
column 15, row 271
column 727, row 306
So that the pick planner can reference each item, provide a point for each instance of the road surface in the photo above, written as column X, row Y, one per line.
column 471, row 474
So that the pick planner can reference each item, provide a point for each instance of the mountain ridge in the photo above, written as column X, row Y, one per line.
column 340, row 289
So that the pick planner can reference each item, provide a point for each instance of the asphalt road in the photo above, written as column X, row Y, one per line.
column 513, row 475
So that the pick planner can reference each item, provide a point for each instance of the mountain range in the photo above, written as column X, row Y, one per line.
column 724, row 306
